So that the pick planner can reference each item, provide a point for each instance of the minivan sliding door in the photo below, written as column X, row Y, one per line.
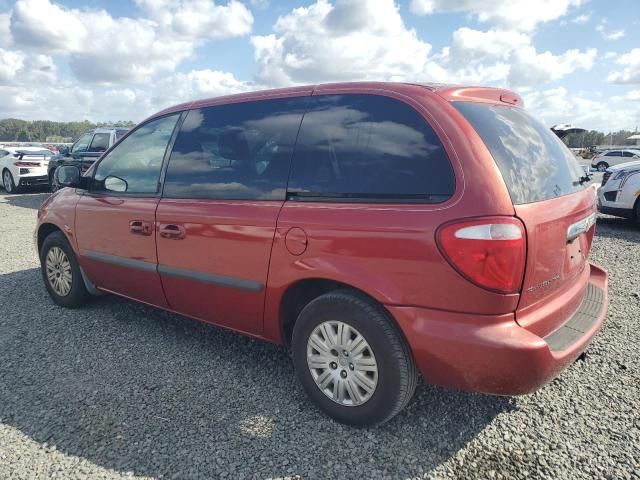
column 224, row 187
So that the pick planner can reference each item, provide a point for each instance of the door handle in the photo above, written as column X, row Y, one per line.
column 172, row 231
column 140, row 227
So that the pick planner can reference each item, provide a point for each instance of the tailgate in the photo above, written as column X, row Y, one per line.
column 551, row 197
column 559, row 236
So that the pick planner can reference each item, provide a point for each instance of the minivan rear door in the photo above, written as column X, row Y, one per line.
column 550, row 194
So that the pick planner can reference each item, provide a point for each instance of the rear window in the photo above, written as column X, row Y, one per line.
column 534, row 162
column 368, row 148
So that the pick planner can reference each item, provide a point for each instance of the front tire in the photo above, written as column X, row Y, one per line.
column 352, row 360
column 61, row 272
column 602, row 166
column 8, row 183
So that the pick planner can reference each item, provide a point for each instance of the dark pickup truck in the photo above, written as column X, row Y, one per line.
column 86, row 150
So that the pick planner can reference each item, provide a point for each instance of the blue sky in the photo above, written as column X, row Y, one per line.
column 574, row 61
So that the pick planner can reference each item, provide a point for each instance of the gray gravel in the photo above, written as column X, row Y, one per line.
column 118, row 389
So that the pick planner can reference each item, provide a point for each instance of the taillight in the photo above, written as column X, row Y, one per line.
column 490, row 252
column 26, row 164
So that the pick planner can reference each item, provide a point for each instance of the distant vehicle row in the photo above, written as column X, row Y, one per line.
column 610, row 158
column 35, row 166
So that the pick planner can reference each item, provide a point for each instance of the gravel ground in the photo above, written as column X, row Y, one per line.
column 119, row 390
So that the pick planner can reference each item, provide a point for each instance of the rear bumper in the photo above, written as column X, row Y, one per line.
column 33, row 181
column 493, row 354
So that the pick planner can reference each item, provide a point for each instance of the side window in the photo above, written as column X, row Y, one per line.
column 369, row 148
column 238, row 151
column 134, row 165
column 120, row 134
column 627, row 154
column 613, row 154
column 82, row 143
column 100, row 142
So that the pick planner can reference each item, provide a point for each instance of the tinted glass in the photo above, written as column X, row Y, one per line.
column 82, row 143
column 613, row 154
column 134, row 165
column 369, row 148
column 627, row 154
column 237, row 151
column 100, row 142
column 534, row 162
column 120, row 134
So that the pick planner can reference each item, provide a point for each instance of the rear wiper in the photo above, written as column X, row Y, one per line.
column 582, row 180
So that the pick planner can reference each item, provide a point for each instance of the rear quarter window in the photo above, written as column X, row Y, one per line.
column 368, row 148
column 533, row 161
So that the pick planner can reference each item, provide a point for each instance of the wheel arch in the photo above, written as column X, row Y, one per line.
column 44, row 231
column 300, row 293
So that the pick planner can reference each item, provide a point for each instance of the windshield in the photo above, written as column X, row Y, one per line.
column 534, row 162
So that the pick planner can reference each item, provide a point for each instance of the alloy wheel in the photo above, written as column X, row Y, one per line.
column 342, row 363
column 7, row 181
column 59, row 271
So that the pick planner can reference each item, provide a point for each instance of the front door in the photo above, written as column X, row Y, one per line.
column 224, row 188
column 115, row 218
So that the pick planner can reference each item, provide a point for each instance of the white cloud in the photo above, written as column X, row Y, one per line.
column 533, row 68
column 105, row 49
column 5, row 31
column 261, row 4
column 557, row 105
column 511, row 14
column 364, row 39
column 631, row 95
column 581, row 19
column 12, row 63
column 617, row 35
column 610, row 55
column 66, row 101
column 199, row 18
column 505, row 58
column 631, row 70
column 18, row 68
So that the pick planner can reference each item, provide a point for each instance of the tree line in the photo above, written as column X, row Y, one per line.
column 14, row 130
column 593, row 137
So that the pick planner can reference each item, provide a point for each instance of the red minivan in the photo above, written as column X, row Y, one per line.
column 379, row 230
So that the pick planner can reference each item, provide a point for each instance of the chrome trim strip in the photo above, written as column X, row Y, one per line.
column 580, row 227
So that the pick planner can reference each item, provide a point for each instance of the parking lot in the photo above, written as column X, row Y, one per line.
column 118, row 389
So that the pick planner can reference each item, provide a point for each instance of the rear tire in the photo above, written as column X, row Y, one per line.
column 352, row 360
column 602, row 166
column 61, row 272
column 8, row 183
column 636, row 211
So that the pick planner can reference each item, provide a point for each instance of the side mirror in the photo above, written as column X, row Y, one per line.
column 115, row 184
column 64, row 151
column 68, row 176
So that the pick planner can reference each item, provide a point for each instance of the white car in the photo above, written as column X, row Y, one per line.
column 618, row 195
column 610, row 158
column 24, row 167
